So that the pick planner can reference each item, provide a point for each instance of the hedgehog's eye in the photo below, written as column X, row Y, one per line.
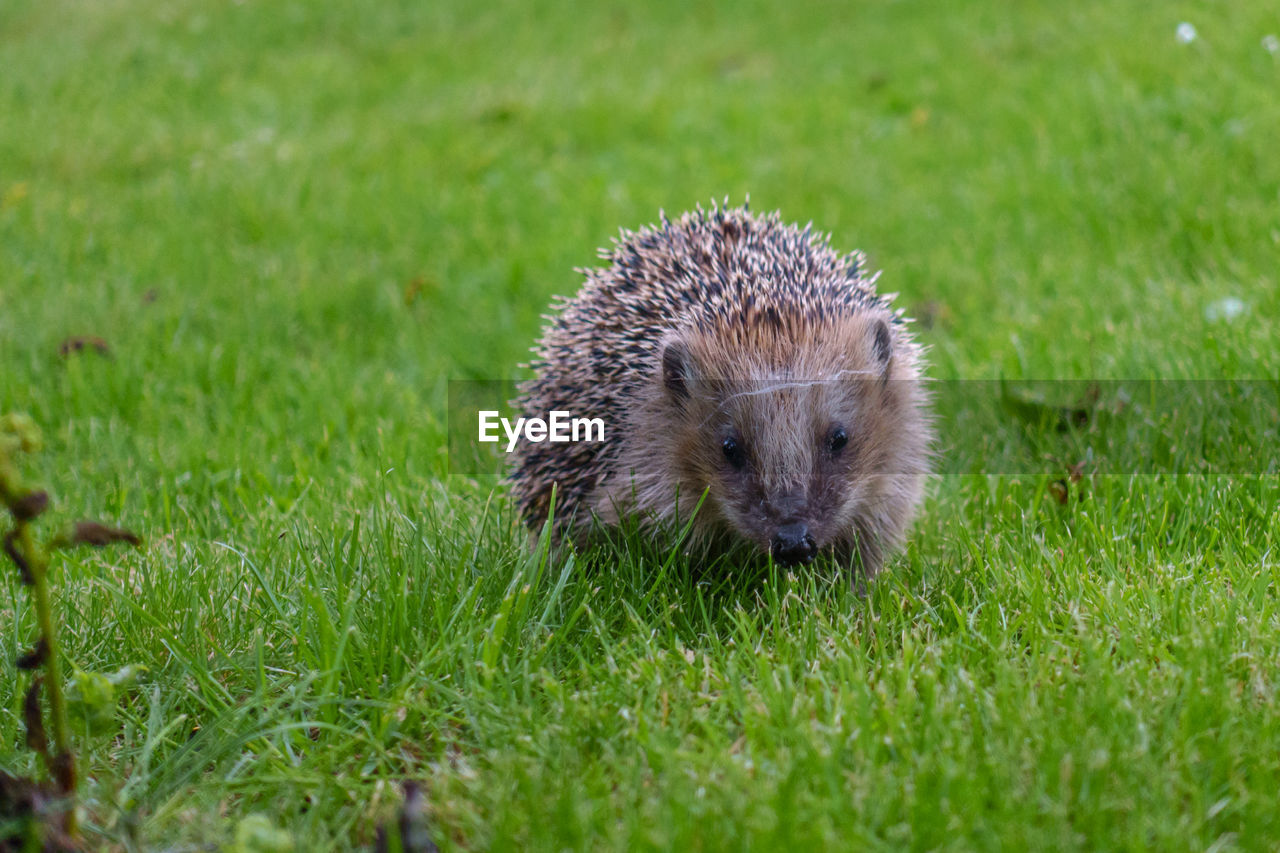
column 839, row 438
column 733, row 452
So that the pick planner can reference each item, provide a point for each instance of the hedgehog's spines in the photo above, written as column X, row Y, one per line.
column 725, row 272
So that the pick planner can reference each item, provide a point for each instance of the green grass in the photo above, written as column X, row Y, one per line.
column 236, row 196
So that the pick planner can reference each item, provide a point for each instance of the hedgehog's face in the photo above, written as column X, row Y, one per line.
column 786, row 450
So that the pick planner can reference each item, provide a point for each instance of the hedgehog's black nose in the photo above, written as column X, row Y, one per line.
column 792, row 544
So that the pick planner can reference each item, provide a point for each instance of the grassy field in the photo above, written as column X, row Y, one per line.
column 293, row 223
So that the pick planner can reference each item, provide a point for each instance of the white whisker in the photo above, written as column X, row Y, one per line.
column 781, row 385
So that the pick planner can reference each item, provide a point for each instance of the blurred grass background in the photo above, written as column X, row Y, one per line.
column 292, row 223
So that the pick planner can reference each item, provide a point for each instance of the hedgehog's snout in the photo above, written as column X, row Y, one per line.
column 793, row 544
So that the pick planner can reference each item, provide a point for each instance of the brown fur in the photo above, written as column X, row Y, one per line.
column 726, row 325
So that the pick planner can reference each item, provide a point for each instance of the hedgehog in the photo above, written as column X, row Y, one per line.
column 755, row 391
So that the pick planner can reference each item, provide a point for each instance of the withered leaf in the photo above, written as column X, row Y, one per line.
column 78, row 343
column 36, row 657
column 63, row 768
column 413, row 290
column 98, row 535
column 30, row 505
column 37, row 740
column 931, row 313
column 26, row 803
column 11, row 549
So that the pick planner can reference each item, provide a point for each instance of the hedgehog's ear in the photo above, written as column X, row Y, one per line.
column 677, row 370
column 882, row 345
